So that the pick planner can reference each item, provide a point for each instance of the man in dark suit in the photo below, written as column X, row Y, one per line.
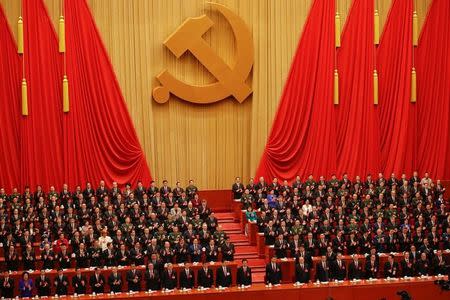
column 205, row 276
column 195, row 251
column 423, row 265
column 371, row 267
column 7, row 285
column 134, row 279
column 391, row 268
column 439, row 264
column 355, row 269
column 61, row 283
column 152, row 280
column 273, row 272
column 187, row 277
column 244, row 274
column 79, row 283
column 323, row 270
column 169, row 278
column 97, row 282
column 223, row 276
column 302, row 271
column 43, row 285
column 338, row 269
column 281, row 246
column 115, row 281
column 407, row 265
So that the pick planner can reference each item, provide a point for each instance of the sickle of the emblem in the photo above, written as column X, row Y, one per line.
column 231, row 81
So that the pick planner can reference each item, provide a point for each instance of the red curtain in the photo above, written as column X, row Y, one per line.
column 100, row 141
column 357, row 120
column 433, row 98
column 395, row 136
column 10, row 80
column 41, row 131
column 302, row 139
column 397, row 114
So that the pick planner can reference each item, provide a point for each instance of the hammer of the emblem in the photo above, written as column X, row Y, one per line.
column 189, row 37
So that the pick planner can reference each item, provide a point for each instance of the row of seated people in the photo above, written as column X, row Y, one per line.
column 109, row 227
column 95, row 256
column 310, row 189
column 333, row 267
column 153, row 278
column 347, row 216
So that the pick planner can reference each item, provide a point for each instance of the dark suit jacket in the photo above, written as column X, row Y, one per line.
column 61, row 284
column 223, row 279
column 339, row 273
column 187, row 280
column 371, row 271
column 244, row 278
column 169, row 281
column 43, row 287
column 115, row 282
column 355, row 272
column 134, row 286
column 302, row 274
column 79, row 284
column 391, row 271
column 205, row 279
column 323, row 273
column 152, row 282
column 273, row 276
column 7, row 287
column 101, row 282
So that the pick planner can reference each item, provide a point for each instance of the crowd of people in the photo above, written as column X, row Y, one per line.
column 336, row 217
column 90, row 228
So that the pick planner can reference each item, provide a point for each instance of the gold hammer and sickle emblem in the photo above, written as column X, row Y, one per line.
column 230, row 80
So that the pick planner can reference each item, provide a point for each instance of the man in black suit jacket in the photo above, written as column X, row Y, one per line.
column 323, row 270
column 43, row 285
column 61, row 283
column 205, row 276
column 391, row 268
column 223, row 276
column 169, row 278
column 152, row 278
column 97, row 282
column 339, row 269
column 355, row 270
column 407, row 265
column 134, row 279
column 423, row 265
column 115, row 281
column 187, row 277
column 244, row 274
column 7, row 285
column 371, row 267
column 273, row 272
column 79, row 283
column 302, row 271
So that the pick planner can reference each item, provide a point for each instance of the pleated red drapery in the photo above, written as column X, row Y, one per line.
column 394, row 136
column 433, row 92
column 357, row 120
column 10, row 80
column 396, row 113
column 41, row 131
column 302, row 139
column 100, row 141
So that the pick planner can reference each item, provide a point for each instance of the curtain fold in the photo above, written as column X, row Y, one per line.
column 41, row 136
column 302, row 139
column 396, row 112
column 10, row 80
column 100, row 141
column 357, row 120
column 433, row 92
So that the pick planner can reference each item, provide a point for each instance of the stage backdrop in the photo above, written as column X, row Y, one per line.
column 210, row 143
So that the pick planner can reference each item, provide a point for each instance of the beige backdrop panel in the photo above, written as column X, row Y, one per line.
column 211, row 143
